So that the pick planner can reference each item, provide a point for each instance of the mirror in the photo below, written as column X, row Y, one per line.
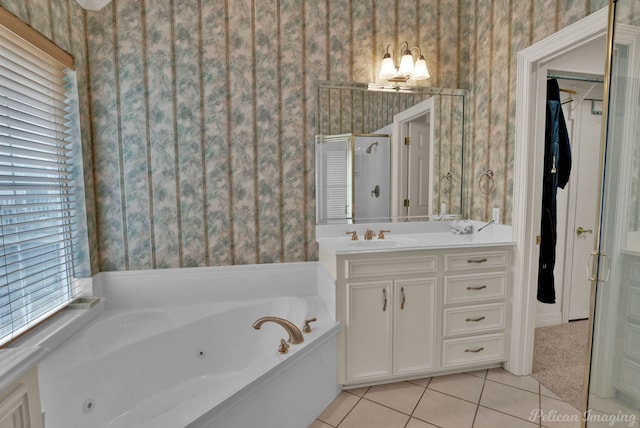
column 388, row 153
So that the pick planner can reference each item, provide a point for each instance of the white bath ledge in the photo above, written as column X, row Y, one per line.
column 21, row 356
column 410, row 236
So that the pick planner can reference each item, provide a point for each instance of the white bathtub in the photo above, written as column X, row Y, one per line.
column 175, row 348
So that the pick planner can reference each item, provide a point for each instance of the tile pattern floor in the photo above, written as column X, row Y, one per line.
column 488, row 398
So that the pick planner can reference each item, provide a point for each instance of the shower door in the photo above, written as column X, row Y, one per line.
column 613, row 381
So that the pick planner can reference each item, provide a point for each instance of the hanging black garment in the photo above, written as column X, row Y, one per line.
column 557, row 168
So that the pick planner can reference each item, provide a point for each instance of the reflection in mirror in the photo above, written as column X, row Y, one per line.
column 353, row 170
column 415, row 171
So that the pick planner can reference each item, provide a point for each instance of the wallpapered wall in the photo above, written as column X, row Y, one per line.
column 202, row 112
column 498, row 30
column 203, row 117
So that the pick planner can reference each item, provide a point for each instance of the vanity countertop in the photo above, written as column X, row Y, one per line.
column 439, row 237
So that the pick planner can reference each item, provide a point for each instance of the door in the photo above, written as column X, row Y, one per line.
column 334, row 177
column 413, row 181
column 368, row 330
column 414, row 326
column 580, row 238
column 614, row 368
column 419, row 182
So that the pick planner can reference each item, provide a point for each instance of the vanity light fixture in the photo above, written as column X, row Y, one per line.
column 407, row 69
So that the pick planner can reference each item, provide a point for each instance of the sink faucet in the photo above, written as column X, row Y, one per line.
column 369, row 234
column 295, row 335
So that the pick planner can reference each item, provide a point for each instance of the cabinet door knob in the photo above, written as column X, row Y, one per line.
column 384, row 299
column 402, row 298
column 474, row 350
column 475, row 319
column 479, row 287
column 476, row 260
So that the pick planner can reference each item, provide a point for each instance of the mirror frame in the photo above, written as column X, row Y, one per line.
column 415, row 90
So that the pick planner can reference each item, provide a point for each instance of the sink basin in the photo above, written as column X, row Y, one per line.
column 381, row 243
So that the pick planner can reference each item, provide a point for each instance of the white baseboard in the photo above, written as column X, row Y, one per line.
column 545, row 320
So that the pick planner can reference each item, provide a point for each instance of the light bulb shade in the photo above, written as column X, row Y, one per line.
column 420, row 72
column 387, row 70
column 406, row 65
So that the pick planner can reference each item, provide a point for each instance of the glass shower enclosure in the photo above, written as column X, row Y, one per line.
column 613, row 384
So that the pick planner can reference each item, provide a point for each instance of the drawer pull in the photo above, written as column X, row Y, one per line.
column 479, row 287
column 384, row 301
column 402, row 298
column 476, row 260
column 475, row 319
column 474, row 350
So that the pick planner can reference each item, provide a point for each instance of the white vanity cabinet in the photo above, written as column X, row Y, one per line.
column 20, row 404
column 474, row 308
column 415, row 313
column 390, row 327
column 627, row 360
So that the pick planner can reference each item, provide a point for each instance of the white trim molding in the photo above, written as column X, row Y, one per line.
column 527, row 181
column 93, row 4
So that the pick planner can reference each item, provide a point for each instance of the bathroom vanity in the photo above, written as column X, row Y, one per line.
column 420, row 302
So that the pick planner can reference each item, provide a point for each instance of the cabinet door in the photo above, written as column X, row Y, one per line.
column 369, row 330
column 414, row 325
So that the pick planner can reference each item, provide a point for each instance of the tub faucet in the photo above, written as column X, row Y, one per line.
column 295, row 335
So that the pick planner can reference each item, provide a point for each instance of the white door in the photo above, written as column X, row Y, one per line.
column 369, row 330
column 583, row 216
column 419, row 183
column 412, row 164
column 414, row 326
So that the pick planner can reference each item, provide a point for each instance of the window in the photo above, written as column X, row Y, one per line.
column 38, row 214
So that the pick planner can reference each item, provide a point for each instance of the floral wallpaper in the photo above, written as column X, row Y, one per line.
column 204, row 116
column 200, row 114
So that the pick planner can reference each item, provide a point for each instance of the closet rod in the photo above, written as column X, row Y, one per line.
column 580, row 79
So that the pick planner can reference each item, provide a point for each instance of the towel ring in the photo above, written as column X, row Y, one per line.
column 486, row 182
column 445, row 183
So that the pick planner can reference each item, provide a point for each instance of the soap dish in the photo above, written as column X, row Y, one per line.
column 84, row 303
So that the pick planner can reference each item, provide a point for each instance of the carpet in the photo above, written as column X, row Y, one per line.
column 559, row 358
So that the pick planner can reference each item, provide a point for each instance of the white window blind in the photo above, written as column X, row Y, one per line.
column 37, row 213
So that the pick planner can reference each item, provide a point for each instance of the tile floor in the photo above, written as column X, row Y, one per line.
column 488, row 398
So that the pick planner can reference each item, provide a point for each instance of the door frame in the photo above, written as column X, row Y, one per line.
column 399, row 166
column 527, row 176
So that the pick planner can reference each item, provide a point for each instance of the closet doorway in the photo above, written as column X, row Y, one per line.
column 580, row 75
column 582, row 105
column 581, row 95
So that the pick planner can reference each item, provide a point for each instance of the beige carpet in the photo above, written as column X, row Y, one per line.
column 559, row 359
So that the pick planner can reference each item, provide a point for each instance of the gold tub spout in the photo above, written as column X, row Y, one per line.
column 295, row 335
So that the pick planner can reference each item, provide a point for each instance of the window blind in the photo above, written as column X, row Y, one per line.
column 37, row 194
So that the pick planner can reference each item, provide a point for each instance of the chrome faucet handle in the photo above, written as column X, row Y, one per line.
column 382, row 232
column 354, row 235
column 307, row 327
column 284, row 347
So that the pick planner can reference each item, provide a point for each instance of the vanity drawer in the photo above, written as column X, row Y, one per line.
column 630, row 377
column 474, row 350
column 475, row 260
column 473, row 319
column 633, row 310
column 473, row 288
column 632, row 340
column 390, row 265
